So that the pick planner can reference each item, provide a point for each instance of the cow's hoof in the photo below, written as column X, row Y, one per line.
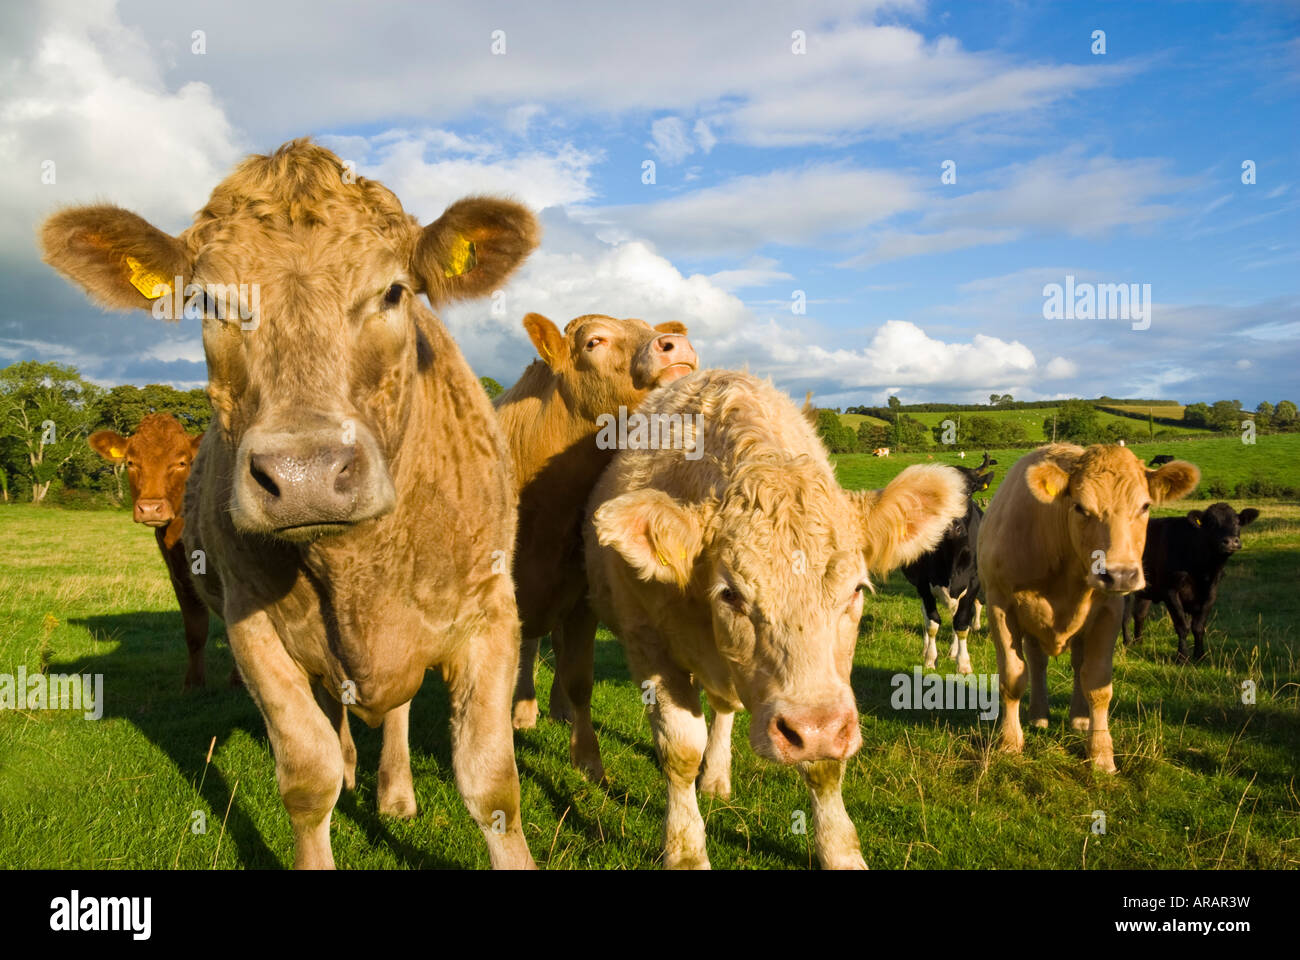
column 715, row 786
column 964, row 667
column 1040, row 722
column 561, row 712
column 930, row 662
column 1182, row 657
column 402, row 806
column 687, row 861
column 524, row 715
column 590, row 767
column 1080, row 723
column 1105, row 764
column 846, row 861
column 1012, row 744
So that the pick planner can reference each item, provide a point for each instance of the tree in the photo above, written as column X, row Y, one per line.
column 1263, row 416
column 46, row 411
column 872, row 436
column 1197, row 415
column 1285, row 414
column 493, row 388
column 1225, row 416
column 1076, row 422
column 837, row 437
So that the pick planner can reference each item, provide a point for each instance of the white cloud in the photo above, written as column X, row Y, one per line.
column 791, row 207
column 670, row 141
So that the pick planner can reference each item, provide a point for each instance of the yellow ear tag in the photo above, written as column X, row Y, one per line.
column 1051, row 490
column 1196, row 522
column 461, row 258
column 147, row 281
column 663, row 561
column 114, row 452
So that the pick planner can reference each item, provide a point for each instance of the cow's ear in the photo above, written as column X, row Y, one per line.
column 1249, row 515
column 546, row 337
column 657, row 536
column 121, row 260
column 907, row 518
column 1173, row 481
column 1046, row 480
column 109, row 445
column 473, row 247
column 671, row 326
column 195, row 441
column 1196, row 516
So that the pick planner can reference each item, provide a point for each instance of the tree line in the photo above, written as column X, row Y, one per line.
column 47, row 410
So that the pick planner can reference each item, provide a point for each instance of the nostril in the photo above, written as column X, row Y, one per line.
column 259, row 465
column 789, row 733
column 345, row 472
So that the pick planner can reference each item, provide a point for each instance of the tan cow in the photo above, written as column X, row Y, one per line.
column 597, row 369
column 1060, row 546
column 158, row 457
column 741, row 573
column 352, row 497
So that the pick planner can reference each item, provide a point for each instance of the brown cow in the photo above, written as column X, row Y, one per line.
column 158, row 457
column 1060, row 546
column 741, row 573
column 598, row 367
column 352, row 496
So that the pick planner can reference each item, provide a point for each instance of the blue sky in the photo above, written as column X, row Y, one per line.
column 775, row 171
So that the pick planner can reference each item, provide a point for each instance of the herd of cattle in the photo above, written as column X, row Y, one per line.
column 359, row 512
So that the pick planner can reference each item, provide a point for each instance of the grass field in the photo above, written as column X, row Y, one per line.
column 1205, row 781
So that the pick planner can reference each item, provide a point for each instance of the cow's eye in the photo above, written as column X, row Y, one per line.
column 394, row 295
column 1078, row 508
column 1146, row 508
column 594, row 342
column 730, row 597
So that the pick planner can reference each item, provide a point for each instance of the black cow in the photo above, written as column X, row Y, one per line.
column 1183, row 564
column 1162, row 459
column 948, row 573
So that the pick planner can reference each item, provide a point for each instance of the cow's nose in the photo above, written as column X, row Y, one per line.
column 817, row 733
column 673, row 348
column 1122, row 579
column 318, row 486
column 154, row 513
column 1232, row 544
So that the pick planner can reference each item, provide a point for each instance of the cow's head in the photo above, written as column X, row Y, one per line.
column 1106, row 494
column 157, row 457
column 782, row 563
column 306, row 277
column 1220, row 526
column 601, row 363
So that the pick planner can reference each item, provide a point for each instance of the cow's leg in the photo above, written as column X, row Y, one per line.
column 1039, row 703
column 833, row 832
column 930, row 627
column 680, row 735
column 715, row 778
column 194, row 612
column 575, row 665
column 1079, row 713
column 1141, row 609
column 561, row 709
column 1098, row 662
column 961, row 626
column 1199, row 618
column 338, row 718
column 1179, row 617
column 479, row 681
column 1130, row 601
column 979, row 608
column 1011, row 674
column 308, row 756
column 396, row 786
column 524, row 712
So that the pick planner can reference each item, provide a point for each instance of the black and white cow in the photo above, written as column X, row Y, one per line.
column 948, row 573
column 1183, row 563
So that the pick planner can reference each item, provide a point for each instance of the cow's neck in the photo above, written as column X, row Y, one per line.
column 541, row 427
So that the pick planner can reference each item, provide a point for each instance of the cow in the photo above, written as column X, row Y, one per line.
column 880, row 452
column 1161, row 460
column 352, row 498
column 948, row 573
column 1183, row 563
column 1059, row 547
column 158, row 457
column 597, row 371
column 740, row 572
